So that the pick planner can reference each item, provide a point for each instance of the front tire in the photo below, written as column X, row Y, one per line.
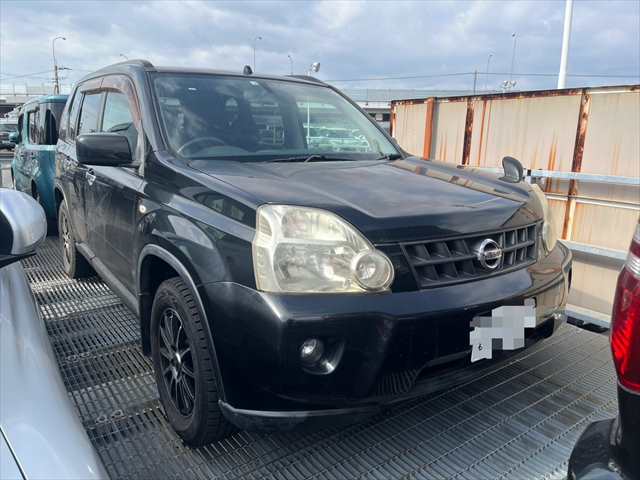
column 73, row 263
column 185, row 366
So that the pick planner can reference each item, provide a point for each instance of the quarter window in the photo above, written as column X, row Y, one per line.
column 33, row 121
column 73, row 117
column 117, row 118
column 89, row 113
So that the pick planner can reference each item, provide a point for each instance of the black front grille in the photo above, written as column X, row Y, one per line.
column 442, row 262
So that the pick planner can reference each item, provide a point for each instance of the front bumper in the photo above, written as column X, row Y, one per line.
column 389, row 342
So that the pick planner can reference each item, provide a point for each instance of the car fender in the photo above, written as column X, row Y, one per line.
column 186, row 276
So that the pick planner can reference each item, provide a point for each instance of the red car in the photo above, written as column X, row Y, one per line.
column 610, row 449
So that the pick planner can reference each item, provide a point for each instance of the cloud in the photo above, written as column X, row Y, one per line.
column 351, row 39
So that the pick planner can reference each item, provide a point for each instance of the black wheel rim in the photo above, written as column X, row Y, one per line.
column 67, row 239
column 177, row 362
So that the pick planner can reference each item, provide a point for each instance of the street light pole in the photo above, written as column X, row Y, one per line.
column 507, row 85
column 56, row 84
column 513, row 56
column 290, row 62
column 486, row 77
column 255, row 40
column 566, row 36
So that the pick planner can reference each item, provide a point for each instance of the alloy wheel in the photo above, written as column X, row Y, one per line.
column 177, row 362
column 67, row 241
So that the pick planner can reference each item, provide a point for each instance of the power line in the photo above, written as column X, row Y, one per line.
column 459, row 74
column 9, row 77
column 435, row 75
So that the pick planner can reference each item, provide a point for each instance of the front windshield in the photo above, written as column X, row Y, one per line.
column 253, row 119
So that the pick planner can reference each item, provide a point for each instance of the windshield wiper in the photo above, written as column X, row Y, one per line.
column 390, row 156
column 312, row 158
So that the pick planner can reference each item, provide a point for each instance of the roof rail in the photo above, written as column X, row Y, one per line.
column 137, row 61
column 306, row 77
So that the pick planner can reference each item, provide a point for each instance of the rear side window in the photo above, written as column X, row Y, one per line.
column 33, row 125
column 52, row 114
column 117, row 118
column 89, row 114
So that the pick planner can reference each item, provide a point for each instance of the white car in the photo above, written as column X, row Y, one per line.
column 41, row 435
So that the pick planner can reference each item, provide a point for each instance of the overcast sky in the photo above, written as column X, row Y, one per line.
column 352, row 40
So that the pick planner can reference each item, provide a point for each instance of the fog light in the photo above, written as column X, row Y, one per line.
column 311, row 351
column 373, row 270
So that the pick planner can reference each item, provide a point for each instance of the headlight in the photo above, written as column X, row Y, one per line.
column 549, row 235
column 308, row 250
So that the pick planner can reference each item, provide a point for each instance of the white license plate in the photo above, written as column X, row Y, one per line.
column 503, row 330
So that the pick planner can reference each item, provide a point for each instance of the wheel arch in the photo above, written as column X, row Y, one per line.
column 147, row 278
column 155, row 265
column 58, row 196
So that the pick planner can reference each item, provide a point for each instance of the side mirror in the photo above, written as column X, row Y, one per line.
column 23, row 226
column 513, row 170
column 103, row 149
column 14, row 137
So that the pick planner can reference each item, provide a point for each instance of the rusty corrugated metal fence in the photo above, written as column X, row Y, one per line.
column 586, row 130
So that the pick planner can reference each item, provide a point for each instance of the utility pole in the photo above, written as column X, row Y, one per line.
column 56, row 80
column 566, row 36
column 475, row 80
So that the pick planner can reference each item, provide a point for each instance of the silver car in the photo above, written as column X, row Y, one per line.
column 40, row 433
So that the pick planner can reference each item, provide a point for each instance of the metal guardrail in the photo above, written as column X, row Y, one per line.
column 614, row 256
column 584, row 177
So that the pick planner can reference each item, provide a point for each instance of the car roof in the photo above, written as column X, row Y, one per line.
column 47, row 99
column 139, row 64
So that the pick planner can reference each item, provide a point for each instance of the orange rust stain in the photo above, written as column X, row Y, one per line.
column 444, row 153
column 484, row 111
column 484, row 160
column 551, row 163
column 553, row 154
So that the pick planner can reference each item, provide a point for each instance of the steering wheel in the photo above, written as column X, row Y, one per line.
column 214, row 141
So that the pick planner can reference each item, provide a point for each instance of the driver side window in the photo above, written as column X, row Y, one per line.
column 117, row 118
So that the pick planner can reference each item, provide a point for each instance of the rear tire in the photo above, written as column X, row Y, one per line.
column 185, row 366
column 73, row 263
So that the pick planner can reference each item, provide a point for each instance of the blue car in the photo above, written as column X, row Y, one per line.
column 33, row 166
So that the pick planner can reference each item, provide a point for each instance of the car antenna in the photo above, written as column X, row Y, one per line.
column 247, row 70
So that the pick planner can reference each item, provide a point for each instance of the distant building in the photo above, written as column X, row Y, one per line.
column 377, row 102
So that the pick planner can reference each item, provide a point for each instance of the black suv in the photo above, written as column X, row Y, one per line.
column 287, row 260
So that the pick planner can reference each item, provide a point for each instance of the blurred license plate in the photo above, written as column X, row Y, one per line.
column 503, row 330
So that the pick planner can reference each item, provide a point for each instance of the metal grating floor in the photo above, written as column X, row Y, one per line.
column 516, row 419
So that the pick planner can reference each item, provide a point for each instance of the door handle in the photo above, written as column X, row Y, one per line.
column 90, row 176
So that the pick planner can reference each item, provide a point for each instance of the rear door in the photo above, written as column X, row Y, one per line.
column 28, row 153
column 19, row 154
column 82, row 117
column 112, row 197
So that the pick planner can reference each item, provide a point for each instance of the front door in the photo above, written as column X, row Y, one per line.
column 112, row 196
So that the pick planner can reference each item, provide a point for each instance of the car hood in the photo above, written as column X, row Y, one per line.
column 404, row 200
